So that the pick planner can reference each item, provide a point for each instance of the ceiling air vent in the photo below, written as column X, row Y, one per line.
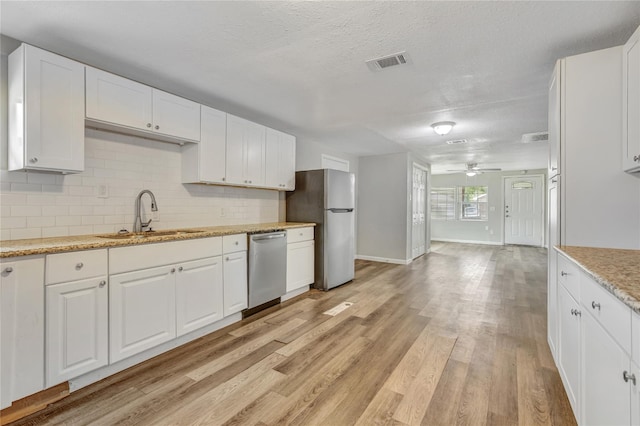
column 456, row 141
column 379, row 64
column 535, row 137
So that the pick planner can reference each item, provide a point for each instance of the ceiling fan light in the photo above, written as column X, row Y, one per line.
column 471, row 173
column 443, row 127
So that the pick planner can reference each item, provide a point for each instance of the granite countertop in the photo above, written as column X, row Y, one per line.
column 14, row 248
column 617, row 270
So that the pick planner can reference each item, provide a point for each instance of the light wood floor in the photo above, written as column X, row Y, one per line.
column 457, row 337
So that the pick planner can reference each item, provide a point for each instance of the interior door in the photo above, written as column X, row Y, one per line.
column 418, row 202
column 523, row 211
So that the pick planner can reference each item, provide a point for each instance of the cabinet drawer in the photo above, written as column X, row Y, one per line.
column 299, row 234
column 569, row 276
column 77, row 265
column 233, row 243
column 611, row 313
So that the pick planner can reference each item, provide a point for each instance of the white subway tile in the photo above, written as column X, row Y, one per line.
column 25, row 233
column 26, row 187
column 80, row 210
column 68, row 220
column 41, row 221
column 55, row 231
column 55, row 210
column 41, row 178
column 92, row 220
column 26, row 211
column 13, row 222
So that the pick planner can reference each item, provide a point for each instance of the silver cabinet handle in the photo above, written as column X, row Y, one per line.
column 573, row 311
column 554, row 180
column 595, row 305
column 636, row 158
column 563, row 273
column 8, row 270
column 173, row 270
column 180, row 269
column 34, row 160
column 224, row 179
column 102, row 283
column 79, row 265
column 576, row 312
column 626, row 376
column 554, row 168
column 237, row 242
column 157, row 127
column 149, row 125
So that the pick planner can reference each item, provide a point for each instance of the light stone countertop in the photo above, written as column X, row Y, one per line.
column 33, row 246
column 617, row 270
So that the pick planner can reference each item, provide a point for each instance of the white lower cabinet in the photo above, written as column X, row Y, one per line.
column 569, row 346
column 300, row 258
column 21, row 328
column 142, row 310
column 77, row 328
column 199, row 294
column 606, row 399
column 235, row 273
column 598, row 345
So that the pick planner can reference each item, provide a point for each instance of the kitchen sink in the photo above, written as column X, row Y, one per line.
column 149, row 234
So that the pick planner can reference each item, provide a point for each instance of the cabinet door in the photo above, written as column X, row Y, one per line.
column 280, row 160
column 605, row 397
column 235, row 282
column 77, row 328
column 199, row 294
column 117, row 100
column 22, row 329
column 245, row 152
column 235, row 150
column 569, row 347
column 631, row 103
column 552, row 269
column 554, row 121
column 175, row 116
column 212, row 146
column 142, row 312
column 300, row 264
column 46, row 111
column 635, row 395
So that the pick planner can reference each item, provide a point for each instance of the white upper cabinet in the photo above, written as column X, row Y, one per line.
column 245, row 152
column 631, row 104
column 280, row 160
column 46, row 110
column 206, row 161
column 114, row 103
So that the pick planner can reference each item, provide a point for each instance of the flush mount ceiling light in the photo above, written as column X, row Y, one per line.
column 443, row 127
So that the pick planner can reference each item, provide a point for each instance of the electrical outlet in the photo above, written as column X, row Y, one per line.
column 103, row 191
column 491, row 232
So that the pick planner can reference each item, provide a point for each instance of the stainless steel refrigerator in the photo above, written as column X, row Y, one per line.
column 327, row 197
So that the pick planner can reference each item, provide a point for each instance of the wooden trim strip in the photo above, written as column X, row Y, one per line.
column 33, row 403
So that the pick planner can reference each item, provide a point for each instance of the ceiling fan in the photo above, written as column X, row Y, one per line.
column 473, row 169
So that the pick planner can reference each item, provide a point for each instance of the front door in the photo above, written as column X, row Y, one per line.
column 523, row 210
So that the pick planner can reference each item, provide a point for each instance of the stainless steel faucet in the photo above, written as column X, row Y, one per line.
column 139, row 224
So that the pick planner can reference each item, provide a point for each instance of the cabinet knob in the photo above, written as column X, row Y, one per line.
column 636, row 158
column 79, row 265
column 626, row 376
column 34, row 160
column 237, row 242
column 149, row 125
column 227, row 258
column 102, row 283
column 173, row 270
column 224, row 179
column 8, row 270
column 180, row 269
column 595, row 305
column 157, row 127
column 563, row 273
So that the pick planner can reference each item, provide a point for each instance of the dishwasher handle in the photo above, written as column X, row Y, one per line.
column 268, row 237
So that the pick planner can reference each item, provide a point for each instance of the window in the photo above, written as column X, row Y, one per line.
column 473, row 202
column 443, row 203
column 460, row 203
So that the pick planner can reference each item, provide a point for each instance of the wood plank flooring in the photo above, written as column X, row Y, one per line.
column 456, row 337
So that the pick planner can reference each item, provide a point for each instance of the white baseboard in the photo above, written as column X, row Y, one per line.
column 384, row 259
column 449, row 240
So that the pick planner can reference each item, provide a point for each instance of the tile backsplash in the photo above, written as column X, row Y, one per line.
column 34, row 205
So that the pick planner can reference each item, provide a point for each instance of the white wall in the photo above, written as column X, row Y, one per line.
column 36, row 205
column 474, row 231
column 309, row 156
column 384, row 207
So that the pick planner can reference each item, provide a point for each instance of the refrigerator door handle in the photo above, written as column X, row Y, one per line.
column 340, row 210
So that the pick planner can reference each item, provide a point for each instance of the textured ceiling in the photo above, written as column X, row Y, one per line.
column 300, row 66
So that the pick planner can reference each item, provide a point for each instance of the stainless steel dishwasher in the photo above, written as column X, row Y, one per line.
column 267, row 268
